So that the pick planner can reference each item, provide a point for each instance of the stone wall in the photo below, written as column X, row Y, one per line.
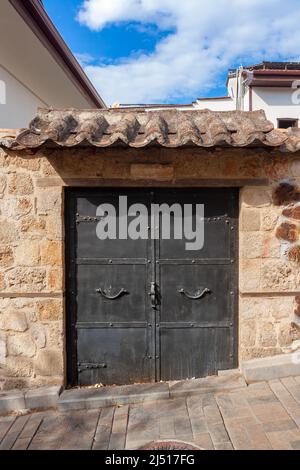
column 32, row 350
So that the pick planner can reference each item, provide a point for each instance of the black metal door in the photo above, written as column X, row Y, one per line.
column 146, row 310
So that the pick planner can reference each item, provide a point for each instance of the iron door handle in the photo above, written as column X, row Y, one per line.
column 152, row 294
column 197, row 296
column 112, row 297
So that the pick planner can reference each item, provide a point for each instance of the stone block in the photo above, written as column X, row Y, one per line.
column 26, row 279
column 55, row 280
column 2, row 282
column 248, row 333
column 49, row 362
column 49, row 202
column 251, row 245
column 13, row 321
column 51, row 253
column 2, row 184
column 49, row 310
column 8, row 232
column 12, row 401
column 33, row 225
column 39, row 336
column 250, row 272
column 27, row 254
column 21, row 345
column 20, row 184
column 3, row 351
column 152, row 171
column 255, row 197
column 271, row 368
column 278, row 274
column 6, row 256
column 42, row 398
column 268, row 336
column 250, row 220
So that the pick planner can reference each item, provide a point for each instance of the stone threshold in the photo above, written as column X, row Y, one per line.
column 16, row 401
column 90, row 398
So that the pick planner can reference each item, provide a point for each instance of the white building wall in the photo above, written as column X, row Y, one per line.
column 276, row 102
column 18, row 105
column 216, row 105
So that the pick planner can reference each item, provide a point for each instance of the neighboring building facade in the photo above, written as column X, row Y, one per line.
column 77, row 310
column 36, row 67
column 270, row 86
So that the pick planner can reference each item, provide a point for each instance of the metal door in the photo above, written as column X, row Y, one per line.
column 149, row 310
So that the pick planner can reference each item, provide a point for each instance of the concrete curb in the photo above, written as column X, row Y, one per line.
column 270, row 368
column 40, row 399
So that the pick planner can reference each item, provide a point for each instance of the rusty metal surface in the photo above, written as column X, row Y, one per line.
column 140, row 129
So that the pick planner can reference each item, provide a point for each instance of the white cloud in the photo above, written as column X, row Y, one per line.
column 209, row 36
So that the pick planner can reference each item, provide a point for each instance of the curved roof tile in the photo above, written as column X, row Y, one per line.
column 139, row 129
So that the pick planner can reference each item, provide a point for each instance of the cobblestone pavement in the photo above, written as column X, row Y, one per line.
column 262, row 416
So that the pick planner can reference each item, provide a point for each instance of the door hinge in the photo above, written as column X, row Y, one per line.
column 82, row 366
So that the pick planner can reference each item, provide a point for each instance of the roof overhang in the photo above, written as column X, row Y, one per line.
column 35, row 16
column 71, row 128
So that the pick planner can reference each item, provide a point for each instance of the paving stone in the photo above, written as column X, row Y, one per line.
column 25, row 437
column 5, row 424
column 233, row 407
column 103, row 430
column 204, row 441
column 144, row 421
column 206, row 385
column 218, row 433
column 118, row 433
column 42, row 398
column 111, row 396
column 224, row 446
column 287, row 440
column 79, row 430
column 273, row 426
column 12, row 401
column 12, row 435
column 290, row 405
column 293, row 388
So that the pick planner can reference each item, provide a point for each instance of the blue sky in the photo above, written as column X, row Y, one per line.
column 138, row 51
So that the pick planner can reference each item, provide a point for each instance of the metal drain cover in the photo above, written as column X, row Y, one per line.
column 170, row 445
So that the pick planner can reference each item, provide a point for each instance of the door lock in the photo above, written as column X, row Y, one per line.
column 153, row 295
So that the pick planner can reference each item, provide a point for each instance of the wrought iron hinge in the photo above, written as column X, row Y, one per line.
column 82, row 366
column 89, row 219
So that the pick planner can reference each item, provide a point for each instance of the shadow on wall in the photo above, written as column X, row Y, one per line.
column 288, row 195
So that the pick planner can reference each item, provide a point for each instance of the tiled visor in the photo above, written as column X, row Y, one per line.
column 138, row 129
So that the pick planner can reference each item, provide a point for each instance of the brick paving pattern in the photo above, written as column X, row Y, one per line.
column 263, row 416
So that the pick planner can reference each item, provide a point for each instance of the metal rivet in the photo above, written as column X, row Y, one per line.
column 157, row 262
column 110, row 261
column 232, row 261
column 193, row 261
column 111, row 324
column 149, row 261
column 149, row 324
column 231, row 293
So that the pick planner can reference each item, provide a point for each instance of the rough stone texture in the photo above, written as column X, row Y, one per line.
column 32, row 245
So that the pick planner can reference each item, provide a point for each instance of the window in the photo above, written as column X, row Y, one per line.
column 285, row 123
